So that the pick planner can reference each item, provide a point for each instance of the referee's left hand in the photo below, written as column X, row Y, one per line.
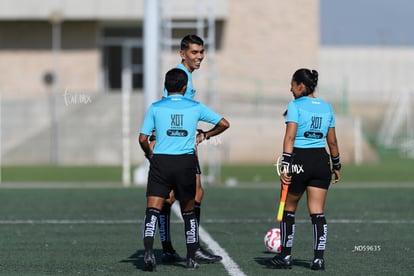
column 285, row 178
column 337, row 174
column 200, row 137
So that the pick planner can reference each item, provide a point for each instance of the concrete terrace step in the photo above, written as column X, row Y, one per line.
column 91, row 133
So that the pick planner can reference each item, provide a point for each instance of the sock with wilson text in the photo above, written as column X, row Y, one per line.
column 287, row 233
column 320, row 233
column 150, row 227
column 191, row 232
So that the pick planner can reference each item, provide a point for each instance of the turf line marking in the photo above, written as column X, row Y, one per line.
column 333, row 221
column 69, row 221
column 205, row 221
column 231, row 266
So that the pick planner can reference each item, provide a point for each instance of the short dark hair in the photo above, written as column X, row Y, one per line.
column 308, row 78
column 175, row 80
column 191, row 39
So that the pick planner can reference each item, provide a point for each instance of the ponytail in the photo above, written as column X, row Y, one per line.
column 308, row 78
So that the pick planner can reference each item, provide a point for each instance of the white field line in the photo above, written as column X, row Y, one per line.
column 69, row 221
column 333, row 221
column 205, row 221
column 230, row 265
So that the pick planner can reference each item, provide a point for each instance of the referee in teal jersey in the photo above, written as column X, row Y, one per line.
column 192, row 53
column 307, row 167
column 173, row 159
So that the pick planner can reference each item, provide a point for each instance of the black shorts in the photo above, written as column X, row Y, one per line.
column 172, row 172
column 311, row 167
column 154, row 138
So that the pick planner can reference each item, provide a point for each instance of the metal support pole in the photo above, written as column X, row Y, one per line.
column 56, row 21
column 1, row 152
column 126, row 96
column 152, row 52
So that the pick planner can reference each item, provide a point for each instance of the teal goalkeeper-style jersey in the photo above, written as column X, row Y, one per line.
column 175, row 120
column 190, row 91
column 314, row 117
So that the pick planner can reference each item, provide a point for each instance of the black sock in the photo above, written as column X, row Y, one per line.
column 320, row 232
column 149, row 228
column 191, row 232
column 164, row 228
column 287, row 232
column 197, row 209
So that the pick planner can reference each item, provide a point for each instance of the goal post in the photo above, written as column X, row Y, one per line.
column 396, row 130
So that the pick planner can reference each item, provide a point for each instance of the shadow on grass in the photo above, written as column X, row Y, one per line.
column 137, row 259
column 264, row 261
